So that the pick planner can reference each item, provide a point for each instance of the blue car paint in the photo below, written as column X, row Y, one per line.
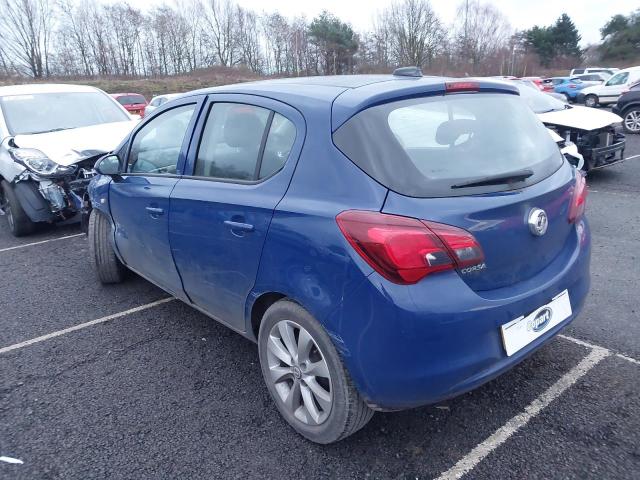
column 404, row 346
column 564, row 89
column 226, row 260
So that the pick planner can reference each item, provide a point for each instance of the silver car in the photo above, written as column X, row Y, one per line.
column 158, row 101
column 50, row 139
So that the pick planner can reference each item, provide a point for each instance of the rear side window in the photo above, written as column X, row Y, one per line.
column 243, row 142
column 428, row 147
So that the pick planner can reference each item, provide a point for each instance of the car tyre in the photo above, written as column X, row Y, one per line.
column 295, row 373
column 567, row 97
column 108, row 266
column 631, row 120
column 19, row 222
column 591, row 100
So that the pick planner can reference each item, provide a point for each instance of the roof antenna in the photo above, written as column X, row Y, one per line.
column 407, row 72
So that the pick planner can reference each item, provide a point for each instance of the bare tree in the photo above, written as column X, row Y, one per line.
column 483, row 32
column 25, row 33
column 75, row 19
column 248, row 39
column 221, row 25
column 413, row 32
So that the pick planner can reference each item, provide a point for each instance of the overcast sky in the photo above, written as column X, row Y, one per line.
column 588, row 15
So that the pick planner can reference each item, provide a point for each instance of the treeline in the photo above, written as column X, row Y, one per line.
column 83, row 38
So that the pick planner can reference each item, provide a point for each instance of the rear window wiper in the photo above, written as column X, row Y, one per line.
column 517, row 176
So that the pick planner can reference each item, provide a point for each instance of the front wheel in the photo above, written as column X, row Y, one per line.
column 591, row 101
column 631, row 120
column 305, row 376
column 19, row 222
column 106, row 263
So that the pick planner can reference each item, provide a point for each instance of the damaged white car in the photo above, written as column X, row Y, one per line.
column 50, row 139
column 595, row 133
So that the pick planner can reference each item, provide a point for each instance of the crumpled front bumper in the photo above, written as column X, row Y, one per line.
column 600, row 157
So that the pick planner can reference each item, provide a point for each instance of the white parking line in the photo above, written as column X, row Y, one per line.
column 16, row 461
column 468, row 463
column 632, row 157
column 58, row 333
column 40, row 242
column 591, row 345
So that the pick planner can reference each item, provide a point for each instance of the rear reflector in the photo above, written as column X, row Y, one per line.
column 579, row 198
column 405, row 250
column 453, row 87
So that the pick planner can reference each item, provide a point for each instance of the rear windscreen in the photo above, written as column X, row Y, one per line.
column 130, row 99
column 428, row 147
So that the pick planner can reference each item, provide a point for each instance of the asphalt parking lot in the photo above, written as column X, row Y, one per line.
column 162, row 392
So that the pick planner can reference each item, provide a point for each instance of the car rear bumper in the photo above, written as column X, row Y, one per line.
column 407, row 346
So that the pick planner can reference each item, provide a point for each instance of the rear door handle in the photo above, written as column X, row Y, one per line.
column 155, row 210
column 244, row 227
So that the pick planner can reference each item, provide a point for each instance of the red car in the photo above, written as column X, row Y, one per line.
column 133, row 102
column 537, row 81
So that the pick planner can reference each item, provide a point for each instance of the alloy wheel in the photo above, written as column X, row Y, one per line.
column 299, row 373
column 632, row 121
column 590, row 101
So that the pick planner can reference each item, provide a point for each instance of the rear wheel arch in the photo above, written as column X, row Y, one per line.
column 260, row 306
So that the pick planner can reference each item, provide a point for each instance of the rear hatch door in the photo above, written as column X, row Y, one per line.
column 478, row 160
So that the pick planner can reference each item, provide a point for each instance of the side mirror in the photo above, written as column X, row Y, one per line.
column 108, row 165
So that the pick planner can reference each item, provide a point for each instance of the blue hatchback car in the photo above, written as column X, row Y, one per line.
column 388, row 241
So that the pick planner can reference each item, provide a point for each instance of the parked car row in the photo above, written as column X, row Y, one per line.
column 608, row 92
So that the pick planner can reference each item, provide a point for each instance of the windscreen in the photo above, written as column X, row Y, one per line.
column 538, row 101
column 429, row 147
column 46, row 112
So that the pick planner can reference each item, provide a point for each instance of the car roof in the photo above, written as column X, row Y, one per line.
column 33, row 88
column 346, row 95
column 629, row 69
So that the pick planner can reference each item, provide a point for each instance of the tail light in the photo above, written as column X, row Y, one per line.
column 405, row 250
column 572, row 85
column 579, row 198
column 454, row 87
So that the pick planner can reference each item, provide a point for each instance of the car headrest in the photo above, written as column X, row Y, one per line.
column 243, row 129
column 448, row 132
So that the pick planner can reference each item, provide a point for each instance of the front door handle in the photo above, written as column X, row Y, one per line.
column 155, row 211
column 239, row 226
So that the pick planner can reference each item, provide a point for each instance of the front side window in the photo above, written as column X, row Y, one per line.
column 618, row 79
column 156, row 146
column 243, row 142
column 46, row 112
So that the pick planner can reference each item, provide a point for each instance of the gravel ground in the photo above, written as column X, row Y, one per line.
column 167, row 393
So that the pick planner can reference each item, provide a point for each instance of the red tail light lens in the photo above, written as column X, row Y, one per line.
column 579, row 198
column 405, row 250
column 572, row 85
column 453, row 87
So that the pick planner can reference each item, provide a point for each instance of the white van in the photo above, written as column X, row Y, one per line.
column 606, row 70
column 609, row 91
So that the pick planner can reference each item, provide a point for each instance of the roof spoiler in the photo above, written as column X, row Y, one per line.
column 408, row 72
